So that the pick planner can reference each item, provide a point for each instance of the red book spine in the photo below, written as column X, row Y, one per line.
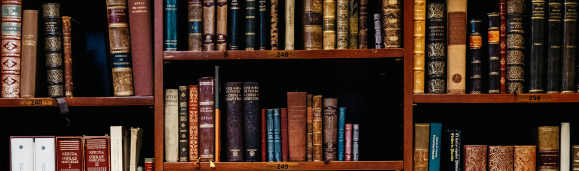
column 149, row 166
column 97, row 154
column 206, row 119
column 503, row 39
column 69, row 155
column 193, row 123
column 284, row 137
column 475, row 158
column 263, row 136
column 141, row 46
column 348, row 142
column 10, row 48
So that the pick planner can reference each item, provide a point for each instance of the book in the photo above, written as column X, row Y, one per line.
column 342, row 26
column 500, row 158
column 171, row 125
column 234, row 107
column 53, row 49
column 277, row 134
column 494, row 40
column 193, row 123
column 503, row 14
column 554, row 44
column 136, row 144
column 548, row 148
column 353, row 8
column 392, row 13
column 97, row 153
column 456, row 45
column 362, row 27
column 11, row 49
column 120, row 48
column 516, row 45
column 569, row 48
column 44, row 154
column 183, row 124
column 475, row 157
column 317, row 128
column 537, row 48
column 206, row 119
column 217, row 126
column 309, row 127
column 270, row 135
column 170, row 25
column 21, row 154
column 235, row 25
column 221, row 25
column 126, row 148
column 250, row 13
column 29, row 51
column 377, row 31
column 355, row 138
column 140, row 25
column 330, row 129
column 69, row 154
column 421, row 140
column 290, row 9
column 453, row 151
column 251, row 121
column 297, row 125
column 575, row 157
column 117, row 148
column 348, row 141
column 263, row 30
column 435, row 48
column 565, row 148
column 195, row 11
column 263, row 135
column 475, row 45
column 419, row 44
column 273, row 25
column 341, row 133
column 67, row 46
column 329, row 16
column 149, row 164
column 284, row 135
column 313, row 34
column 524, row 157
column 208, row 25
column 434, row 146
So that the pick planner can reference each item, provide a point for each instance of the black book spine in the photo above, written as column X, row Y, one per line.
column 554, row 51
column 264, row 16
column 436, row 48
column 537, row 50
column 475, row 56
column 235, row 25
column 569, row 43
column 250, row 14
column 53, row 49
column 453, row 146
column 233, row 96
column 515, row 45
column 183, row 124
column 494, row 37
column 251, row 126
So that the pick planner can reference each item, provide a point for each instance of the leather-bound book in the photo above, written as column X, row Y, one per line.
column 475, row 157
column 329, row 24
column 419, row 44
column 120, row 47
column 183, row 124
column 494, row 40
column 263, row 135
column 436, row 48
column 353, row 13
column 348, row 146
column 330, row 129
column 270, row 135
column 391, row 23
column 309, row 128
column 569, row 47
column 537, row 47
column 317, row 128
column 343, row 24
column 170, row 25
column 29, row 51
column 313, row 34
column 456, row 25
column 195, row 11
column 362, row 25
column 453, row 150
column 377, row 31
column 554, row 43
column 284, row 135
column 234, row 107
column 355, row 138
column 97, row 147
column 515, row 45
column 235, row 25
column 525, row 157
column 171, row 125
column 565, row 149
column 277, row 134
column 193, row 123
column 273, row 24
column 548, row 148
column 69, row 154
column 297, row 125
column 263, row 27
column 290, row 8
column 251, row 121
column 575, row 157
column 206, row 119
column 341, row 133
column 11, row 48
column 475, row 45
column 53, row 49
column 503, row 14
column 141, row 46
column 250, row 24
column 67, row 46
column 421, row 140
column 500, row 158
column 209, row 25
column 221, row 25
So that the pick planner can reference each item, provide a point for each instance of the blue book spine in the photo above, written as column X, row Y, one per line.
column 235, row 25
column 250, row 25
column 276, row 134
column 341, row 134
column 434, row 160
column 270, row 149
column 170, row 43
column 263, row 26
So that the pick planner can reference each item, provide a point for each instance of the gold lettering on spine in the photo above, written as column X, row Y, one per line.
column 343, row 27
column 419, row 42
column 329, row 26
column 10, row 45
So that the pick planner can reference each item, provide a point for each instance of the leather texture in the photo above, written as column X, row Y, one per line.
column 554, row 46
column 475, row 157
column 456, row 24
column 209, row 21
column 569, row 50
column 193, row 123
column 67, row 45
column 494, row 47
column 313, row 32
column 290, row 10
column 309, row 127
column 353, row 10
column 235, row 28
column 273, row 25
column 348, row 146
column 183, row 124
column 221, row 25
column 343, row 26
column 195, row 11
column 503, row 14
column 377, row 31
column 234, row 108
column 250, row 24
column 419, row 42
column 537, row 48
column 436, row 48
column 141, row 46
column 341, row 132
column 171, row 125
column 525, row 157
column 475, row 62
column 575, row 157
column 297, row 124
column 206, row 119
column 391, row 23
column 329, row 24
column 318, row 125
column 263, row 135
column 263, row 26
column 120, row 47
column 515, row 46
column 421, row 139
column 170, row 21
column 330, row 129
column 277, row 134
column 500, row 158
column 29, row 51
column 355, row 137
column 363, row 25
column 284, row 135
column 251, row 121
column 548, row 148
column 53, row 49
column 270, row 135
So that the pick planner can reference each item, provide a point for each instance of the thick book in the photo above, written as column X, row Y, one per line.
column 140, row 24
column 195, row 17
column 11, row 49
column 377, row 31
column 434, row 146
column 297, row 125
column 503, row 39
column 348, row 141
column 118, row 148
column 515, row 45
column 263, row 17
column 419, row 44
column 251, row 114
column 524, row 157
column 67, row 46
column 421, row 140
column 277, row 134
column 290, row 8
column 309, row 128
column 183, row 123
column 234, row 111
column 135, row 151
column 235, row 25
column 456, row 25
column 353, row 8
column 453, row 147
column 193, row 123
column 284, row 135
column 500, row 158
column 435, row 49
column 97, row 153
column 69, row 154
column 391, row 23
column 171, row 125
column 355, row 138
column 548, row 148
column 170, row 25
column 475, row 54
column 330, row 129
column 343, row 21
column 494, row 48
column 341, row 133
column 206, row 119
column 209, row 25
column 575, row 157
column 217, row 118
column 313, row 34
column 29, row 51
column 329, row 16
column 274, row 36
column 263, row 135
column 270, row 145
column 21, row 154
column 565, row 146
column 569, row 47
column 221, row 25
column 537, row 47
column 53, row 49
column 317, row 128
column 554, row 46
column 44, row 154
column 120, row 47
column 475, row 157
column 362, row 25
column 250, row 24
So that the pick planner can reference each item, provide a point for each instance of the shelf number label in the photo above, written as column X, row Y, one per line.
column 283, row 54
column 36, row 102
column 282, row 166
column 533, row 97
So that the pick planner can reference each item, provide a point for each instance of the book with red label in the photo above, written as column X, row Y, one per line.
column 69, row 154
column 149, row 164
column 96, row 150
column 284, row 136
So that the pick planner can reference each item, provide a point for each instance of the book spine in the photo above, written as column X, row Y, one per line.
column 290, row 8
column 22, row 154
column 329, row 24
column 118, row 139
column 494, row 40
column 342, row 24
column 576, row 157
column 251, row 121
column 273, row 24
column 67, row 46
column 377, row 31
column 503, row 39
column 235, row 25
column 548, row 148
column 53, row 49
column 421, row 139
column 341, row 133
column 515, row 47
column 434, row 147
column 221, row 25
column 206, row 119
column 475, row 45
column 453, row 152
column 170, row 27
column 141, row 46
column 362, row 27
column 69, row 154
column 554, row 51
column 317, row 128
column 233, row 106
column 525, row 157
column 330, row 129
column 263, row 31
column 297, row 125
column 29, row 50
column 250, row 25
column 217, row 118
column 209, row 25
column 500, row 158
column 44, row 154
column 120, row 48
column 310, row 127
column 353, row 13
column 348, row 141
column 355, row 137
column 263, row 135
column 284, row 135
column 313, row 34
column 456, row 25
column 419, row 47
column 149, row 164
column 196, row 24
column 569, row 49
column 436, row 49
column 270, row 135
column 565, row 147
column 277, row 134
column 392, row 15
column 193, row 123
column 537, row 50
column 171, row 125
column 475, row 157
column 183, row 124
column 97, row 148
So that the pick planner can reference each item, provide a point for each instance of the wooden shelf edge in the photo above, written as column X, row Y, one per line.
column 87, row 101
column 303, row 54
column 342, row 165
column 492, row 98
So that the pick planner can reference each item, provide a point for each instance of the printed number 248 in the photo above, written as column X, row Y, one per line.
column 282, row 54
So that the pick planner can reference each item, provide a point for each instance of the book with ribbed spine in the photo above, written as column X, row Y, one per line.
column 391, row 23
column 235, row 25
column 434, row 146
column 475, row 46
column 170, row 22
column 209, row 21
column 171, row 125
column 313, row 34
column 270, row 135
column 362, row 25
column 273, row 25
column 193, row 123
column 453, row 150
column 569, row 47
column 195, row 11
column 284, row 135
column 355, row 138
column 348, row 141
column 251, row 114
column 503, row 14
column 436, row 48
column 297, row 125
column 183, row 124
column 263, row 135
column 494, row 40
column 317, row 128
column 456, row 59
column 141, row 46
column 53, row 49
column 221, row 33
column 206, row 119
column 500, row 158
column 377, row 31
column 575, row 157
column 330, row 129
column 353, row 13
column 419, row 44
column 548, row 148
column 277, row 134
column 525, row 157
column 290, row 8
column 310, row 128
column 537, row 48
column 342, row 24
column 341, row 133
column 475, row 157
column 250, row 13
column 234, row 108
column 120, row 47
column 554, row 43
column 29, row 51
column 421, row 139
column 67, row 47
column 515, row 45
column 329, row 24
column 263, row 27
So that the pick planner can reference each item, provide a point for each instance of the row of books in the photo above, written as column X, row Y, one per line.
column 118, row 152
column 328, row 25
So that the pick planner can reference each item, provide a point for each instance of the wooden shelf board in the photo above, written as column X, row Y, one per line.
column 303, row 54
column 492, row 98
column 345, row 165
column 87, row 101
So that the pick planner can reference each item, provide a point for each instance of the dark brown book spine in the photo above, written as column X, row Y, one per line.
column 501, row 158
column 53, row 49
column 525, row 157
column 193, row 123
column 69, row 154
column 297, row 121
column 11, row 44
column 206, row 119
column 97, row 148
column 548, row 148
column 330, row 129
column 284, row 135
column 67, row 40
column 120, row 47
column 575, row 157
column 29, row 50
column 392, row 11
column 183, row 124
column 263, row 136
column 475, row 157
column 362, row 27
column 309, row 127
column 234, row 108
column 141, row 46
column 318, row 127
column 313, row 34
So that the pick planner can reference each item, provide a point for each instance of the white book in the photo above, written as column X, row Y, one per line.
column 171, row 126
column 44, row 154
column 117, row 148
column 136, row 143
column 565, row 147
column 22, row 154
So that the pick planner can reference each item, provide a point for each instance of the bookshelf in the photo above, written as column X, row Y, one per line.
column 82, row 101
column 300, row 54
column 350, row 165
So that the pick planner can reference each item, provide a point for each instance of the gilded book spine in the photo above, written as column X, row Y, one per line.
column 193, row 123
column 421, row 141
column 343, row 24
column 515, row 45
column 494, row 76
column 29, row 49
column 537, row 51
column 329, row 24
column 120, row 46
column 250, row 24
column 67, row 40
column 353, row 12
column 170, row 28
column 313, row 34
column 183, row 124
column 206, row 119
column 208, row 25
column 436, row 49
column 263, row 31
column 235, row 25
column 362, row 27
column 309, row 127
column 273, row 29
column 554, row 43
column 377, row 31
column 548, row 148
column 575, row 157
column 317, row 142
column 503, row 14
column 456, row 25
column 475, row 45
column 53, row 48
column 569, row 46
column 330, row 129
column 391, row 23
column 419, row 41
column 290, row 8
column 525, row 157
column 221, row 25
column 195, row 25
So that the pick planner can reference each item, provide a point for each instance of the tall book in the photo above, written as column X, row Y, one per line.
column 329, row 24
column 309, row 128
column 362, row 25
column 284, row 135
column 195, row 17
column 475, row 45
column 135, row 151
column 565, row 147
column 330, row 129
column 515, row 45
column 206, row 119
column 171, row 125
column 97, row 147
column 44, row 154
column 29, row 51
column 250, row 29
column 273, row 25
column 67, row 46
column 494, row 40
column 421, row 139
column 341, row 133
column 183, row 100
column 436, row 48
column 297, row 125
column 343, row 24
column 537, row 50
column 377, row 31
column 263, row 27
column 419, row 44
column 193, row 123
column 434, row 146
column 353, row 8
column 355, row 138
column 548, row 148
column 525, row 157
column 313, row 34
column 263, row 135
column 575, row 157
column 170, row 22
column 141, row 46
column 290, row 8
column 500, row 158
column 348, row 146
column 456, row 25
column 503, row 14
column 11, row 49
column 251, row 114
column 120, row 47
column 270, row 135
column 69, row 154
column 391, row 23
column 235, row 25
column 53, row 49
column 277, row 134
column 475, row 157
column 569, row 47
column 118, row 147
column 234, row 110
column 221, row 25
column 217, row 121
column 317, row 128
column 209, row 25
column 554, row 43
column 453, row 145
column 21, row 154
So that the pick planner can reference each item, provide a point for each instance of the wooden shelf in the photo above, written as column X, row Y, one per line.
column 86, row 101
column 303, row 54
column 349, row 165
column 495, row 98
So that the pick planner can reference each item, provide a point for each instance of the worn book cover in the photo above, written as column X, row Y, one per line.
column 456, row 25
column 209, row 25
column 277, row 134
column 206, row 119
column 263, row 29
column 554, row 45
column 568, row 67
column 270, row 135
column 263, row 135
column 53, row 49
column 329, row 24
column 548, row 148
column 362, row 25
column 575, row 157
column 475, row 55
column 353, row 10
column 313, row 34
column 317, row 128
column 348, row 146
column 330, row 129
column 343, row 27
column 515, row 45
column 500, row 158
column 251, row 114
column 421, row 140
column 392, row 23
column 290, row 10
column 309, row 127
column 503, row 14
column 494, row 58
column 29, row 52
column 221, row 34
column 537, row 54
column 10, row 61
column 274, row 36
column 193, row 123
column 120, row 47
column 297, row 124
column 235, row 26
column 234, row 111
column 171, row 125
column 67, row 46
column 183, row 124
column 195, row 11
column 475, row 157
column 250, row 24
column 525, row 157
